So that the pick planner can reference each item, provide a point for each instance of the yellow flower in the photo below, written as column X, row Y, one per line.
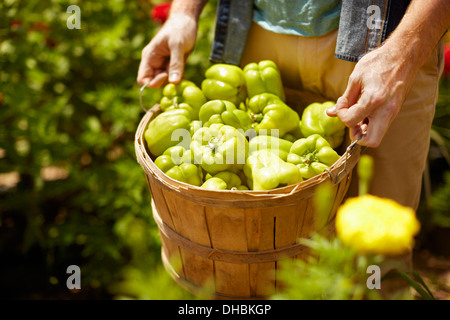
column 376, row 225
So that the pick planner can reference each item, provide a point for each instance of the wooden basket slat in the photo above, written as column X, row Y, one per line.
column 197, row 269
column 227, row 230
column 173, row 255
column 187, row 259
column 158, row 201
column 262, row 277
column 259, row 226
column 286, row 224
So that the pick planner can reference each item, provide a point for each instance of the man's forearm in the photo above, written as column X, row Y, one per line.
column 190, row 7
column 420, row 30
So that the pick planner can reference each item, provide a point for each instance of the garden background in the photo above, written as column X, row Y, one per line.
column 71, row 191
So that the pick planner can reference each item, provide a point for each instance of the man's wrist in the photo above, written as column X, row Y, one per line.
column 419, row 31
column 192, row 8
column 404, row 51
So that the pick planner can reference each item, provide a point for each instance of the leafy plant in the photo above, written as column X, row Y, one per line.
column 337, row 267
column 440, row 203
column 69, row 109
column 415, row 280
column 434, row 209
column 332, row 272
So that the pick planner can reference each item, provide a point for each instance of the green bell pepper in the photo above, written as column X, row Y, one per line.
column 225, row 180
column 269, row 113
column 265, row 171
column 223, row 111
column 289, row 137
column 195, row 125
column 225, row 82
column 215, row 184
column 316, row 120
column 312, row 155
column 158, row 134
column 219, row 147
column 175, row 163
column 263, row 77
column 185, row 92
column 277, row 146
column 295, row 134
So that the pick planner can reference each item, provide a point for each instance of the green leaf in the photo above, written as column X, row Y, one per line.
column 417, row 286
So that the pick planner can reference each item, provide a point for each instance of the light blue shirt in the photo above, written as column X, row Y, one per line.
column 307, row 18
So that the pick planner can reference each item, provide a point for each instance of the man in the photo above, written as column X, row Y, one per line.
column 380, row 62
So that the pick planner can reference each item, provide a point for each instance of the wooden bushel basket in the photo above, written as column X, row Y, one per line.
column 232, row 241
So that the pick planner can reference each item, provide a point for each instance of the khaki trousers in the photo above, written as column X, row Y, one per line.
column 308, row 64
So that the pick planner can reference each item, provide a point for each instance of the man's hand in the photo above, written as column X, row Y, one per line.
column 164, row 57
column 375, row 93
column 382, row 79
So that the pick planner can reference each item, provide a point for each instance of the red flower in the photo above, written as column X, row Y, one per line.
column 160, row 12
column 447, row 60
column 39, row 26
column 15, row 24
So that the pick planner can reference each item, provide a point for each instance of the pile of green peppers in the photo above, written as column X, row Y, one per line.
column 235, row 131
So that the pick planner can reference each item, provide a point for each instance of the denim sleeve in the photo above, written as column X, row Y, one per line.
column 365, row 24
column 233, row 21
column 361, row 27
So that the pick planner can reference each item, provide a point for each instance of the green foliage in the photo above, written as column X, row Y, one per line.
column 142, row 285
column 332, row 271
column 416, row 281
column 435, row 209
column 69, row 100
column 440, row 203
column 442, row 113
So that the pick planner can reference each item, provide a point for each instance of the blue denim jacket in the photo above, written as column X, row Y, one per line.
column 363, row 26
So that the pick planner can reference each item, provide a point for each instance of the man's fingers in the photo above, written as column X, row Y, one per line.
column 353, row 91
column 176, row 64
column 353, row 115
column 153, row 65
column 366, row 105
column 340, row 104
column 158, row 80
column 145, row 73
column 359, row 131
column 153, row 79
column 373, row 131
column 348, row 99
column 351, row 94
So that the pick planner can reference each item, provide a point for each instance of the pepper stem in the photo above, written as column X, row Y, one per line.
column 212, row 145
column 310, row 157
column 256, row 117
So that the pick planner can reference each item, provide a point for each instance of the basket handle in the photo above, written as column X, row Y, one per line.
column 140, row 95
column 334, row 180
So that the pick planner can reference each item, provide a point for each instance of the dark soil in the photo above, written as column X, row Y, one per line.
column 432, row 260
